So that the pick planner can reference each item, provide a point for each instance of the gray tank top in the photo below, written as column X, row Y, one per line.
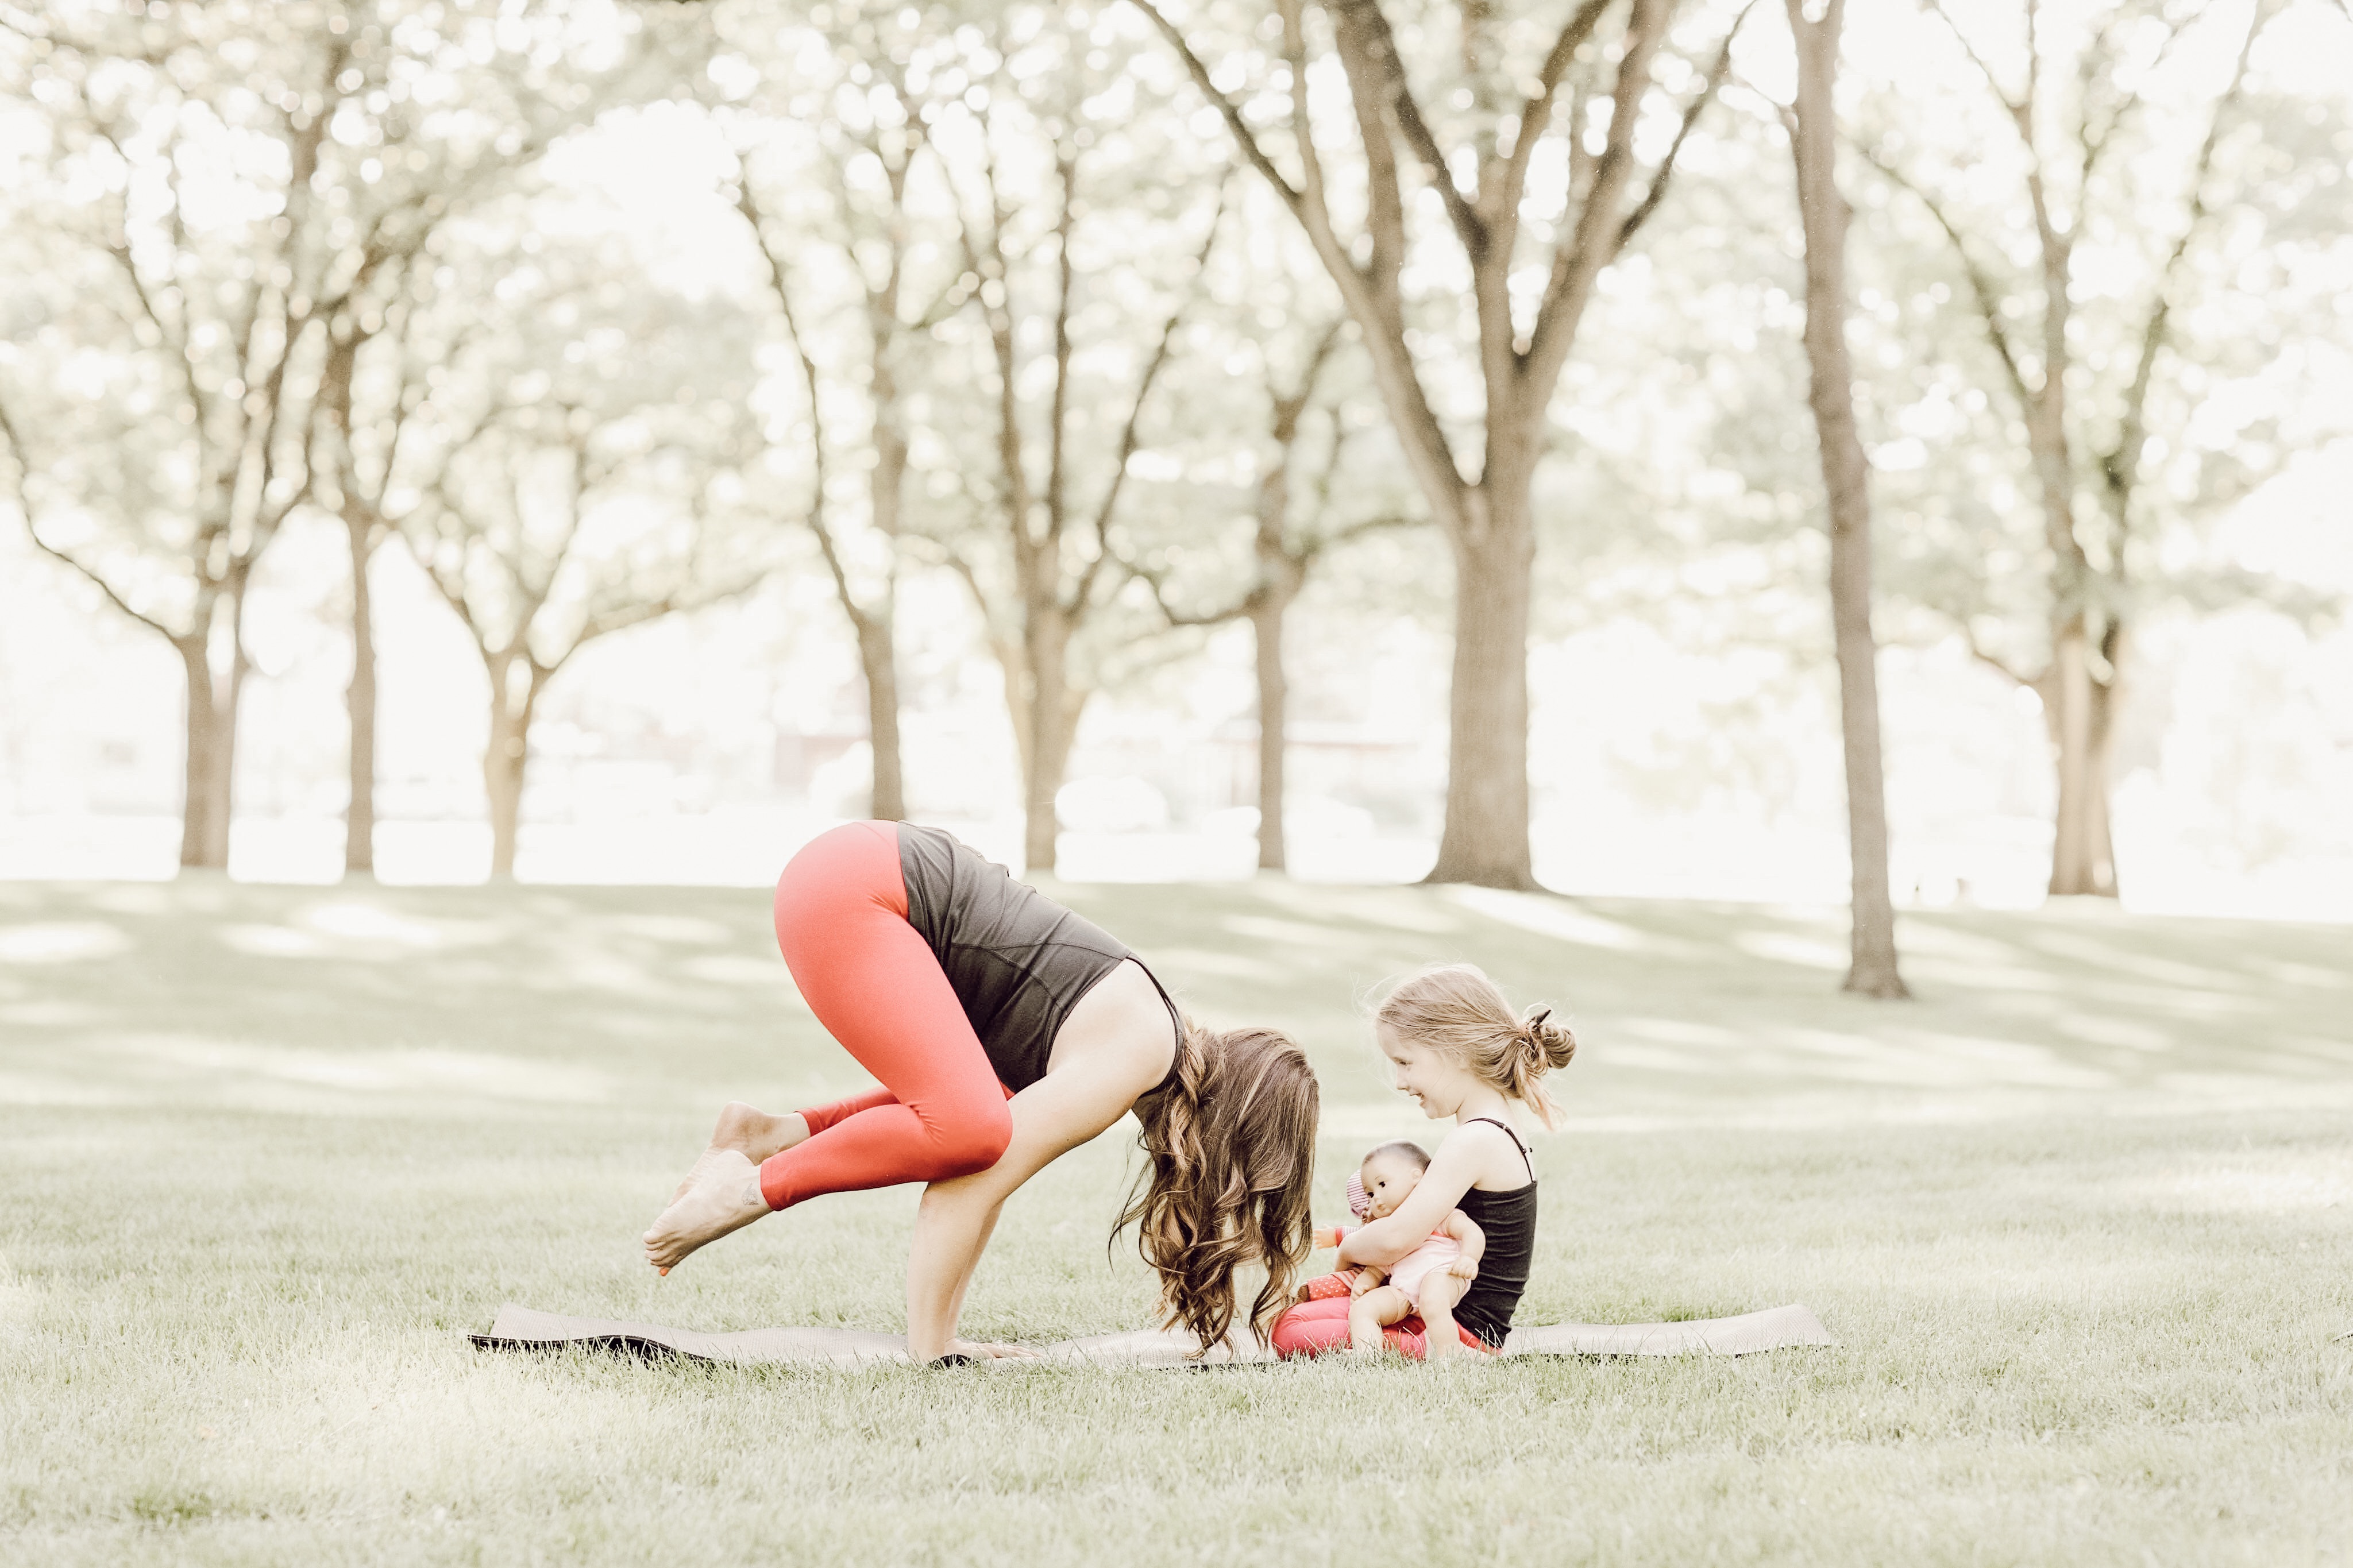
column 1017, row 961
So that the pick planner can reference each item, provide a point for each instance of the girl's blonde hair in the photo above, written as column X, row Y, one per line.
column 1455, row 1009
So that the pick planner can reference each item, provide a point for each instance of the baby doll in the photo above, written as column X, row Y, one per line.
column 1427, row 1281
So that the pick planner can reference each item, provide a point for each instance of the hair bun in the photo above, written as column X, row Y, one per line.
column 1549, row 1045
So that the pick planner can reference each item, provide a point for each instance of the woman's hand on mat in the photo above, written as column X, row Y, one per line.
column 721, row 1194
column 982, row 1349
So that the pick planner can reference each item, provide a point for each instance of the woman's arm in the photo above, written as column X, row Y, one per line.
column 1458, row 1164
column 1051, row 1117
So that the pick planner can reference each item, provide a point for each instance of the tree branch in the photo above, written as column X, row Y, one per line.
column 1535, row 116
column 1151, row 579
column 1378, row 523
column 2018, row 107
column 1364, row 34
column 1578, row 262
column 985, row 257
column 1370, row 291
column 1981, row 283
column 682, row 602
column 1992, row 660
column 1128, row 432
column 2120, row 465
column 1245, row 140
column 970, row 577
column 1066, row 170
column 780, row 284
column 21, row 456
column 1658, row 190
column 1290, row 406
column 1369, row 95
column 118, row 246
column 91, row 573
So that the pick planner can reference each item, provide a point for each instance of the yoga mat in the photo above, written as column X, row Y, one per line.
column 520, row 1328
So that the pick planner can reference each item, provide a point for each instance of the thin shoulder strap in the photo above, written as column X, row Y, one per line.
column 1517, row 1143
column 1176, row 1017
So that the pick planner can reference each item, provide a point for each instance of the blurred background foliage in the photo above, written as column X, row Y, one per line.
column 606, row 441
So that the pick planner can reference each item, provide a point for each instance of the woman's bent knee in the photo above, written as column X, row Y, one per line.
column 976, row 1140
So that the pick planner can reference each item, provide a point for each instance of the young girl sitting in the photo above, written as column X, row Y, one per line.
column 1425, row 1283
column 1459, row 1049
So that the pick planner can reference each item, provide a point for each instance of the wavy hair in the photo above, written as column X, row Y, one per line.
column 1455, row 1009
column 1230, row 1149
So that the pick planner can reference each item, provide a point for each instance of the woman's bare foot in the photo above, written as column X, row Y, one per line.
column 753, row 1133
column 721, row 1194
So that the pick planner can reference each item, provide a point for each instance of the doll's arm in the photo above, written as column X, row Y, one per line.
column 1367, row 1278
column 1470, row 1238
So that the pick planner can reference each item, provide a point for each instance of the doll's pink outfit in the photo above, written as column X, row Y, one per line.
column 1432, row 1256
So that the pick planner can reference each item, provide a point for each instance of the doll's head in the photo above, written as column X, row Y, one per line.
column 1387, row 1175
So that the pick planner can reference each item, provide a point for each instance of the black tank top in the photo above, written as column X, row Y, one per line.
column 1509, row 1221
column 1017, row 960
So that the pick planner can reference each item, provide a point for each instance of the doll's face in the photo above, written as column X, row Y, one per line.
column 1387, row 1181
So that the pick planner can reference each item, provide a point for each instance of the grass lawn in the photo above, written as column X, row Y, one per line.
column 2080, row 1214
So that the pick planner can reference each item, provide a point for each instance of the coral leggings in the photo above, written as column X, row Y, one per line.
column 874, row 982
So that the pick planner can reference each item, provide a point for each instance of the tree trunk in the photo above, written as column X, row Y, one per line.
column 334, row 400
column 1013, row 671
column 1051, row 729
column 359, row 816
column 2079, row 708
column 879, row 657
column 1846, row 476
column 209, row 794
column 876, row 629
column 503, row 758
column 1274, row 697
column 1280, row 574
column 1486, row 834
column 196, row 800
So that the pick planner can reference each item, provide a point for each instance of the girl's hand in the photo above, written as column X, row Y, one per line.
column 1327, row 1236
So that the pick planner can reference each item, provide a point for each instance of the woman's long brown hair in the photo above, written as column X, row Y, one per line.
column 1231, row 1147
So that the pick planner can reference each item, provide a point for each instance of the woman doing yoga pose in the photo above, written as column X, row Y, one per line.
column 1006, row 1031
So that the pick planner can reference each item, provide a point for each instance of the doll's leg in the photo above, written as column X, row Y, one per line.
column 1440, row 1291
column 1374, row 1311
